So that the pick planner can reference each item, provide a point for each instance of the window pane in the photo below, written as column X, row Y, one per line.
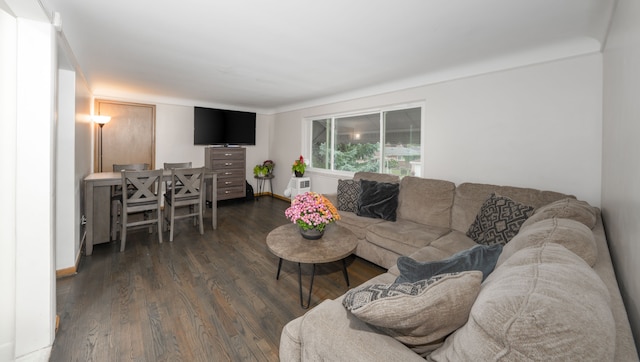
column 357, row 143
column 402, row 142
column 320, row 141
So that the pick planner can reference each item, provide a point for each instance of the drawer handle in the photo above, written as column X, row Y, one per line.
column 226, row 192
column 228, row 173
column 228, row 154
column 228, row 183
column 228, row 163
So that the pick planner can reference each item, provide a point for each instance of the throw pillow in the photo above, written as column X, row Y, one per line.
column 378, row 200
column 498, row 220
column 348, row 194
column 417, row 314
column 479, row 257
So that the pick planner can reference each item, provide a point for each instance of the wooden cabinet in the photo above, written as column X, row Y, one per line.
column 230, row 165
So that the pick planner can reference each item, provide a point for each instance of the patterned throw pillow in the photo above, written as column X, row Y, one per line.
column 417, row 314
column 498, row 220
column 348, row 194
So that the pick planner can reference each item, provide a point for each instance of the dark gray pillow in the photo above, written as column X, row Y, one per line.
column 378, row 200
column 348, row 193
column 479, row 257
column 498, row 220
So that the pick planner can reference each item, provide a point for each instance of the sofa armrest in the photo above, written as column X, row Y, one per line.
column 333, row 198
column 329, row 332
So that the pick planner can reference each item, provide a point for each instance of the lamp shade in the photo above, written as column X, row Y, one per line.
column 101, row 120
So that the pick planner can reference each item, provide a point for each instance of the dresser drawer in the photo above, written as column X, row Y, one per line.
column 220, row 165
column 228, row 154
column 230, row 182
column 231, row 192
column 236, row 173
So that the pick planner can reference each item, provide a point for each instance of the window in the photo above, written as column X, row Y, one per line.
column 386, row 141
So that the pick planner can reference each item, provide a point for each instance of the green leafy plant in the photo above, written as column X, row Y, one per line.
column 299, row 165
column 260, row 170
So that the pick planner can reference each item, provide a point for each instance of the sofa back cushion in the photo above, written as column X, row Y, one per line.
column 374, row 176
column 543, row 304
column 571, row 234
column 469, row 197
column 568, row 208
column 426, row 201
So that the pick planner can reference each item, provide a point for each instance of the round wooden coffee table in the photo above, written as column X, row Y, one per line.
column 336, row 244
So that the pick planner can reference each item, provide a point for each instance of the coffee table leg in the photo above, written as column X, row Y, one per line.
column 344, row 270
column 279, row 267
column 313, row 273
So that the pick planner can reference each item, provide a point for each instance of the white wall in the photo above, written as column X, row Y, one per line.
column 537, row 126
column 174, row 138
column 621, row 147
column 34, row 207
column 83, row 157
column 65, row 172
column 8, row 58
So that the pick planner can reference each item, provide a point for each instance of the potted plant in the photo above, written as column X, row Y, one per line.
column 312, row 212
column 299, row 166
column 269, row 165
column 260, row 170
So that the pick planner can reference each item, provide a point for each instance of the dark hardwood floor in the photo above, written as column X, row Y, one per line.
column 211, row 297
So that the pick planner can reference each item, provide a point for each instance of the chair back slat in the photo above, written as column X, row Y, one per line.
column 142, row 194
column 171, row 166
column 142, row 186
column 189, row 193
column 191, row 181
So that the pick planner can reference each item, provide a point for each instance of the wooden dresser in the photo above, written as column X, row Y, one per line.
column 230, row 164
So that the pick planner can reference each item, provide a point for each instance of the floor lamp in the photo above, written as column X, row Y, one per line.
column 101, row 121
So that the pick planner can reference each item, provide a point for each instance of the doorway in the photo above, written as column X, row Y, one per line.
column 129, row 137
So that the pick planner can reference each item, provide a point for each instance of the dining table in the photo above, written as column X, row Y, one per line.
column 97, row 202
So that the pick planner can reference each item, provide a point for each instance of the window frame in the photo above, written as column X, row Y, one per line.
column 307, row 133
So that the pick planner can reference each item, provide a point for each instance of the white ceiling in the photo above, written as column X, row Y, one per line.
column 276, row 55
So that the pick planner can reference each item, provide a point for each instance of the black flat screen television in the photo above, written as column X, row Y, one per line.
column 223, row 127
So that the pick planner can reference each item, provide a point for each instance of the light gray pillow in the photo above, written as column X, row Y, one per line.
column 417, row 314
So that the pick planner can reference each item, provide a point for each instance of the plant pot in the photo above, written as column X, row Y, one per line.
column 298, row 173
column 311, row 234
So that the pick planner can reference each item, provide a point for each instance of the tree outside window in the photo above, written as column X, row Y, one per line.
column 353, row 143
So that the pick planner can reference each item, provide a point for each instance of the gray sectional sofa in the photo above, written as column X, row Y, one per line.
column 552, row 296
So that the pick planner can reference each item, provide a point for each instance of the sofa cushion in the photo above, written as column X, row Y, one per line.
column 571, row 234
column 417, row 314
column 543, row 304
column 403, row 236
column 469, row 197
column 426, row 201
column 498, row 220
column 357, row 224
column 378, row 199
column 567, row 208
column 329, row 332
column 348, row 194
column 479, row 257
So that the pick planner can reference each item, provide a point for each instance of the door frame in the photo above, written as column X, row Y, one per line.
column 96, row 129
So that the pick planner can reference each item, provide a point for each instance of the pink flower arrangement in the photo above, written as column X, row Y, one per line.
column 312, row 211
